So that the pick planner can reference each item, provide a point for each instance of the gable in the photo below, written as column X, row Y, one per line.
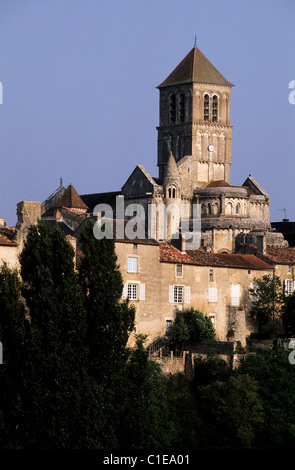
column 254, row 186
column 139, row 183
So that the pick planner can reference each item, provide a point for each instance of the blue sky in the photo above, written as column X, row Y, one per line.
column 80, row 101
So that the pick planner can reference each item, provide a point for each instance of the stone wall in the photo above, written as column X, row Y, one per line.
column 28, row 213
column 9, row 254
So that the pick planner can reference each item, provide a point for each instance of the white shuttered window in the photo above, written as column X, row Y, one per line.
column 235, row 295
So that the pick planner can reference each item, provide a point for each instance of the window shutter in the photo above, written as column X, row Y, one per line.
column 141, row 291
column 235, row 295
column 171, row 294
column 286, row 287
column 289, row 286
column 212, row 294
column 125, row 291
column 187, row 295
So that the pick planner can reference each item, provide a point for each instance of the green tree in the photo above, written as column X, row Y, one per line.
column 288, row 314
column 190, row 326
column 110, row 322
column 12, row 319
column 276, row 377
column 147, row 420
column 267, row 300
column 58, row 393
column 230, row 412
column 210, row 369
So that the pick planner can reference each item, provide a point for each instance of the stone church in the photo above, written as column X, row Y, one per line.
column 161, row 272
column 194, row 160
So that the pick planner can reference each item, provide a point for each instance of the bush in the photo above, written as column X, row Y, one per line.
column 190, row 326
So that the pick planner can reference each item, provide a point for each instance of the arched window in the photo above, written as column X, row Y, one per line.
column 172, row 109
column 181, row 108
column 229, row 208
column 214, row 108
column 237, row 209
column 173, row 192
column 215, row 209
column 206, row 108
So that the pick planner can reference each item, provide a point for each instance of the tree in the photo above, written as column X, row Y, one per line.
column 210, row 369
column 57, row 391
column 190, row 326
column 12, row 319
column 230, row 412
column 267, row 300
column 147, row 420
column 276, row 376
column 288, row 314
column 110, row 322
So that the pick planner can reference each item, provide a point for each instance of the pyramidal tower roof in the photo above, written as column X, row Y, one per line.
column 195, row 68
column 71, row 199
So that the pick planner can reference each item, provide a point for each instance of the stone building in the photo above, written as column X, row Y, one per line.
column 163, row 272
column 8, row 244
column 194, row 160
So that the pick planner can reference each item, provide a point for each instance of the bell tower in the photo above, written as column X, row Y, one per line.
column 195, row 119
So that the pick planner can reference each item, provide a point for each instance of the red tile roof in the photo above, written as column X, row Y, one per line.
column 71, row 198
column 7, row 236
column 199, row 257
column 281, row 255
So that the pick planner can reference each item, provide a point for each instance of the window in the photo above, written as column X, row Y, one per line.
column 178, row 270
column 289, row 287
column 168, row 325
column 212, row 294
column 237, row 209
column 181, row 108
column 135, row 246
column 253, row 295
column 211, row 275
column 172, row 109
column 179, row 294
column 212, row 318
column 206, row 108
column 235, row 295
column 132, row 265
column 214, row 108
column 290, row 269
column 134, row 291
column 171, row 193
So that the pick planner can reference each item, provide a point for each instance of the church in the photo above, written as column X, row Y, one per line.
column 162, row 272
column 194, row 160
